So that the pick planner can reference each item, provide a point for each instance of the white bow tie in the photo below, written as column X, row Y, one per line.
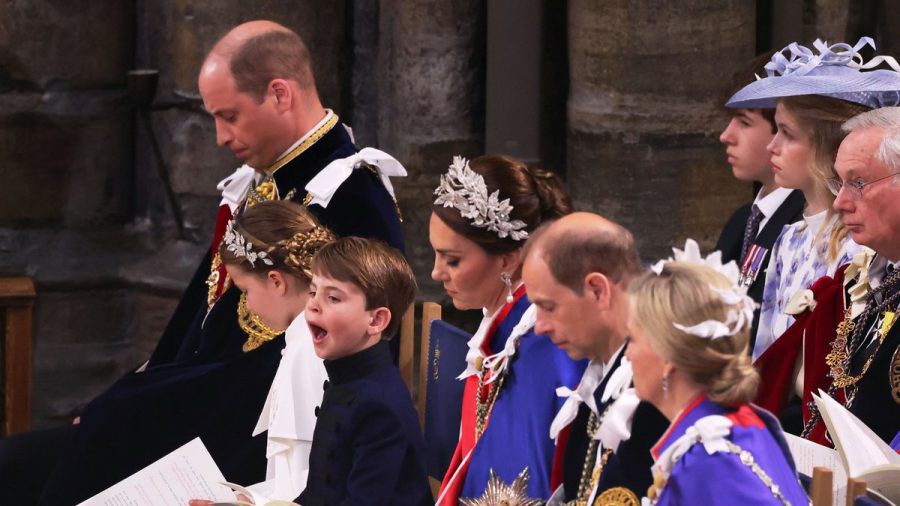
column 235, row 187
column 583, row 393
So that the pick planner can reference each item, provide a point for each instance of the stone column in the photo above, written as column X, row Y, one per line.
column 431, row 96
column 807, row 20
column 644, row 115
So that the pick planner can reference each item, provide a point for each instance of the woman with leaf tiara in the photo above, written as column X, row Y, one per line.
column 481, row 218
column 689, row 324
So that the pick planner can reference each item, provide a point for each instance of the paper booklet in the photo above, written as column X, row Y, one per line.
column 808, row 455
column 863, row 454
column 187, row 473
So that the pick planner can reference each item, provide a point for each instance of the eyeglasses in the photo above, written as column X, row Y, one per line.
column 855, row 187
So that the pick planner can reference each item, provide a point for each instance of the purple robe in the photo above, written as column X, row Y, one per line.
column 700, row 478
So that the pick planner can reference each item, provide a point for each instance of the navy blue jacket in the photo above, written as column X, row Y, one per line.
column 199, row 381
column 367, row 447
column 731, row 241
column 629, row 465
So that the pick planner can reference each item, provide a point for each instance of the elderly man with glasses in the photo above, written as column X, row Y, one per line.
column 845, row 329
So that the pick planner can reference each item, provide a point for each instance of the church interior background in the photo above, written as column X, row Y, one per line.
column 621, row 97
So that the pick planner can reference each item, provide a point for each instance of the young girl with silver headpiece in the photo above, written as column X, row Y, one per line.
column 268, row 252
column 689, row 324
column 483, row 213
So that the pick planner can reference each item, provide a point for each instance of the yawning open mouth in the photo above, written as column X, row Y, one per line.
column 318, row 333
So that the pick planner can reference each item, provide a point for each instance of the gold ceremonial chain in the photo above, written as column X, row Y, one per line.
column 839, row 358
column 484, row 402
column 746, row 458
column 212, row 281
column 847, row 336
column 584, row 484
column 257, row 331
column 590, row 473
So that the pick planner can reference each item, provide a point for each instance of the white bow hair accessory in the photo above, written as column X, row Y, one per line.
column 740, row 316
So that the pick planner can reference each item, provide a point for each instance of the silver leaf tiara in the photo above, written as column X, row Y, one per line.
column 739, row 317
column 465, row 190
column 236, row 243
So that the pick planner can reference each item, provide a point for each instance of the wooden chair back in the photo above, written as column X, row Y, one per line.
column 16, row 306
column 820, row 489
column 414, row 352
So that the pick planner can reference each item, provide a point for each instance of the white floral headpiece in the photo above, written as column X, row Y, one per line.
column 741, row 314
column 464, row 189
column 236, row 243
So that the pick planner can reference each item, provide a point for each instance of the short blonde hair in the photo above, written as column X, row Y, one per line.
column 681, row 294
column 380, row 271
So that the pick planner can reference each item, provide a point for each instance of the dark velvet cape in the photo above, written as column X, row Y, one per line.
column 199, row 381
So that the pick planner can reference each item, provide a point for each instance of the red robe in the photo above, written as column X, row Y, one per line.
column 811, row 334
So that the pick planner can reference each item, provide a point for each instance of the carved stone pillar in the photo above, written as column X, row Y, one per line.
column 431, row 96
column 644, row 114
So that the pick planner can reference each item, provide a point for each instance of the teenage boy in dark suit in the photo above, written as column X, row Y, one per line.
column 752, row 229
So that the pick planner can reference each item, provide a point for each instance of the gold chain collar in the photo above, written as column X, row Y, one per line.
column 303, row 146
column 258, row 333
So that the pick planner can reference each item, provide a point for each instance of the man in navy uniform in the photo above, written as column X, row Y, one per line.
column 576, row 272
column 213, row 366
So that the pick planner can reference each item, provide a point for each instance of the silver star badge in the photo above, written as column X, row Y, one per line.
column 498, row 493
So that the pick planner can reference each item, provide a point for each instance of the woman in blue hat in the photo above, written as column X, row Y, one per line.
column 813, row 94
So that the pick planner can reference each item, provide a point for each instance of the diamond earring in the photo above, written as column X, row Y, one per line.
column 507, row 280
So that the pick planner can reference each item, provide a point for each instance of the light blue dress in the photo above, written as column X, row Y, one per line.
column 799, row 257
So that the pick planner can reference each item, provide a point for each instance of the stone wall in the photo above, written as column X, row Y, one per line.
column 85, row 213
column 66, row 148
column 647, row 80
